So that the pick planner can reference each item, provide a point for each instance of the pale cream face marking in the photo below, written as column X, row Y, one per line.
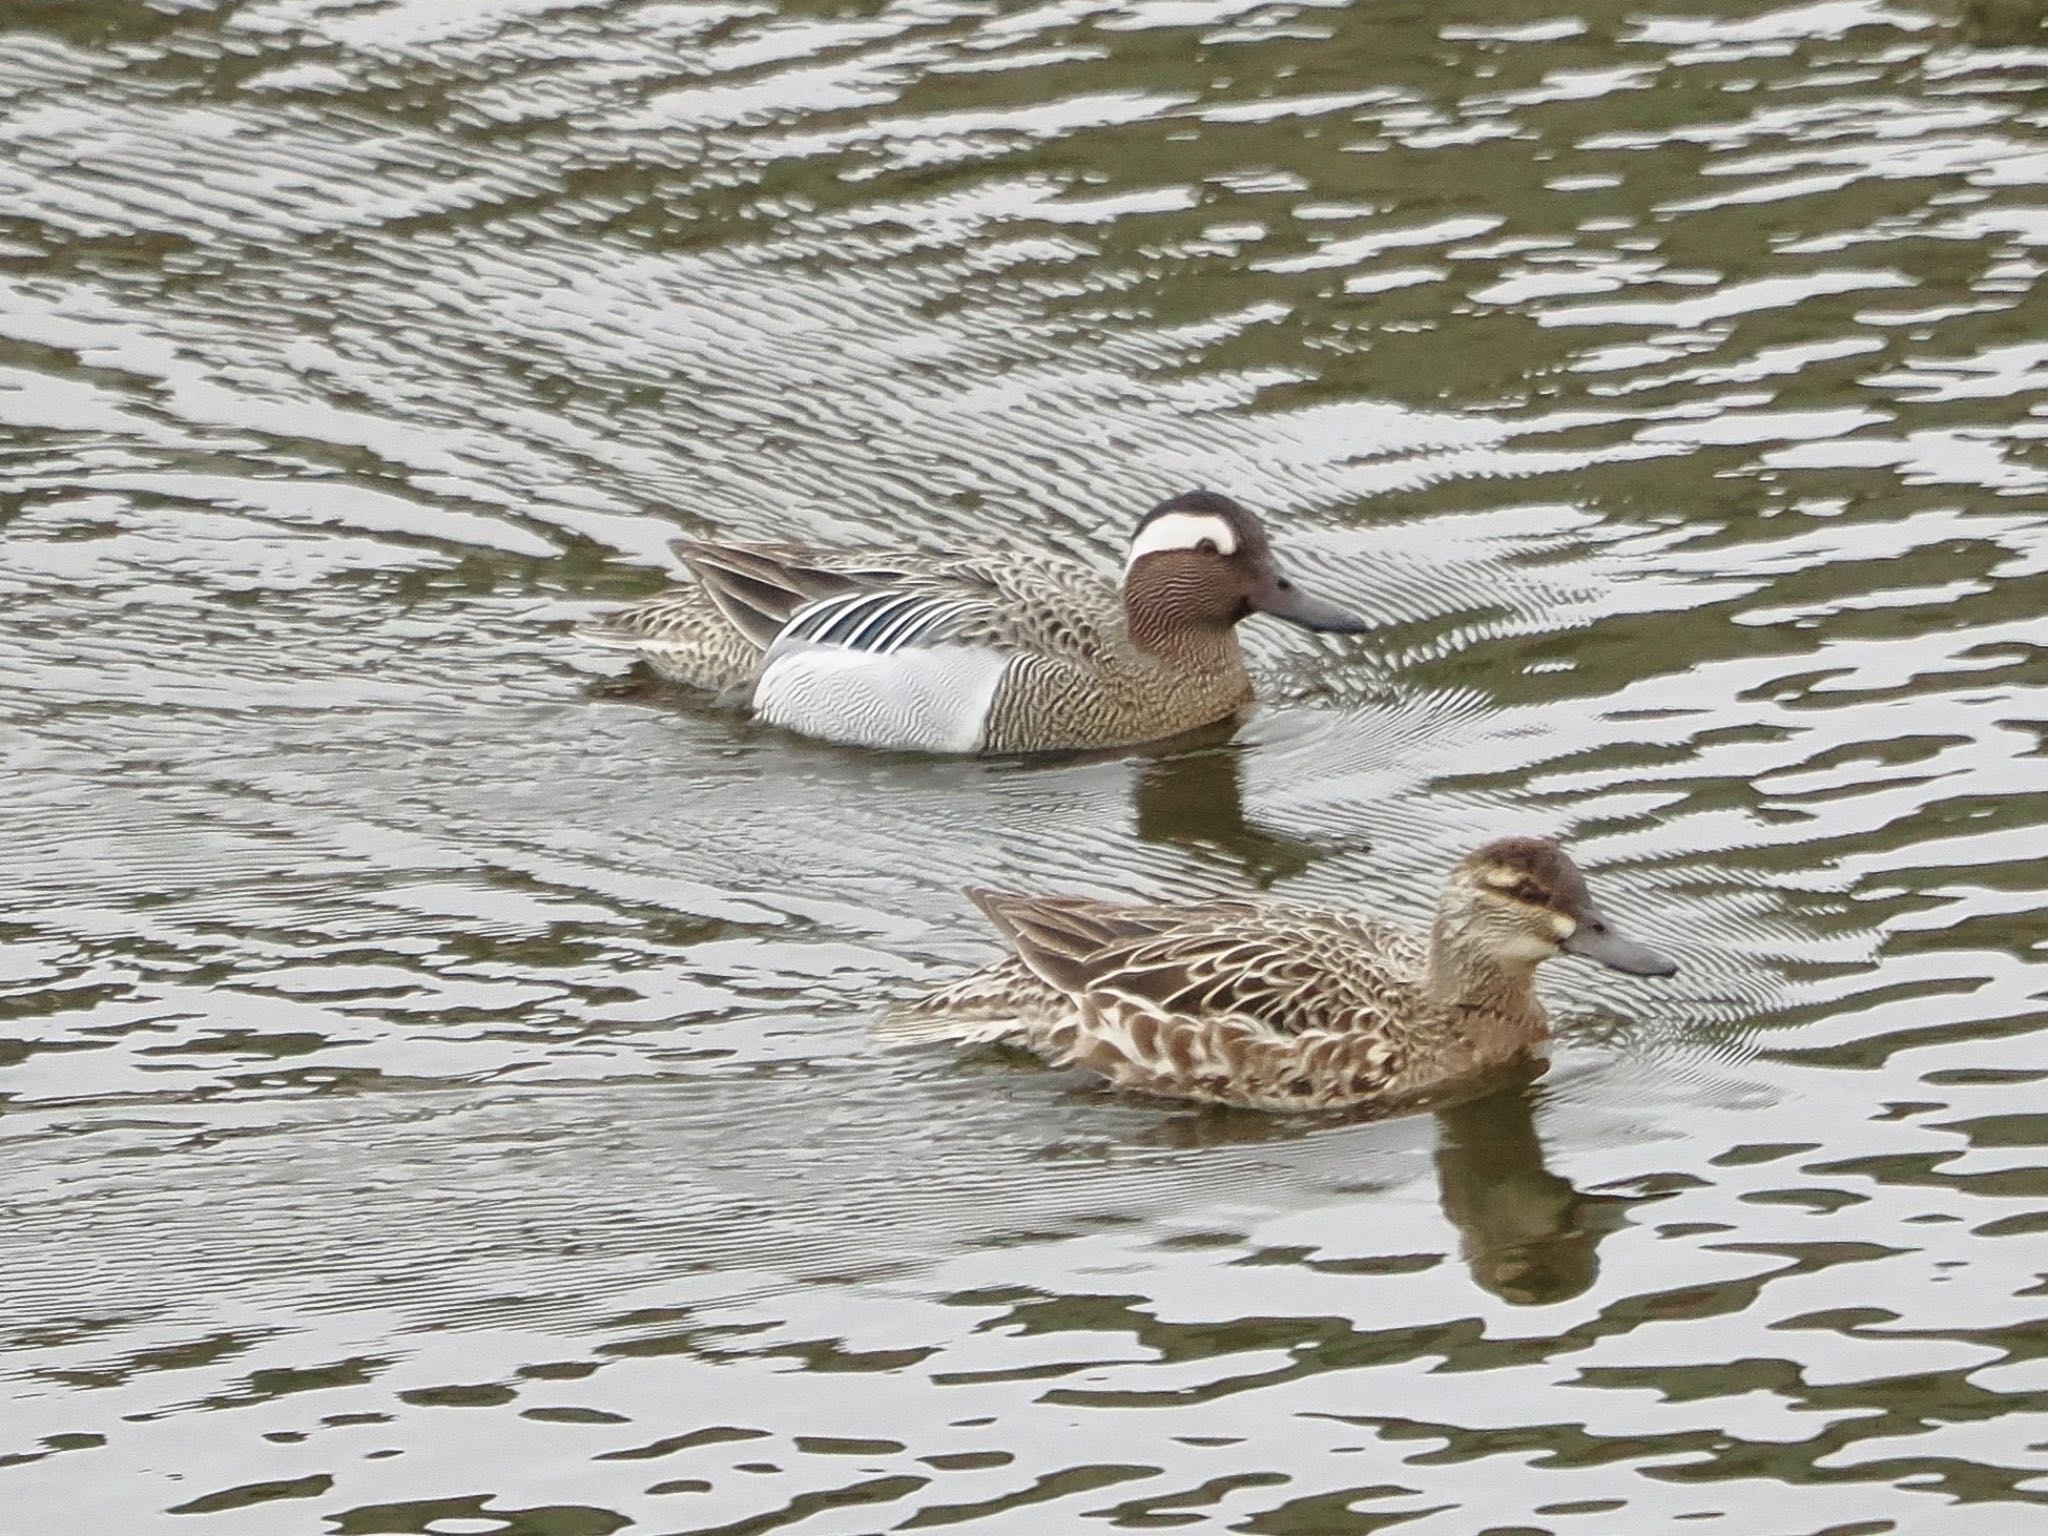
column 1182, row 530
column 1521, row 944
column 1501, row 878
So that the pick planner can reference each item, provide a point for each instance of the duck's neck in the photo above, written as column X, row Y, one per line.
column 1189, row 647
column 1494, row 994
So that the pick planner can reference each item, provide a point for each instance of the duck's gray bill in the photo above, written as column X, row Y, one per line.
column 1596, row 941
column 1284, row 600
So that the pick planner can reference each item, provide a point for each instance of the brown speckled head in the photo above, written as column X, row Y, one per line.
column 1199, row 563
column 1529, row 888
column 1533, row 871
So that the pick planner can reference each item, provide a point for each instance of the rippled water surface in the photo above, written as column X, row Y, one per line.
column 436, row 1087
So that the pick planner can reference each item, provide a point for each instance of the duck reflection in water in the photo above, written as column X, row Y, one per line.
column 1189, row 794
column 1525, row 1233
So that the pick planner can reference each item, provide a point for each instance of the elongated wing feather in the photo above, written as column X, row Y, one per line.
column 881, row 621
column 1060, row 938
column 854, row 598
column 757, row 588
column 1284, row 970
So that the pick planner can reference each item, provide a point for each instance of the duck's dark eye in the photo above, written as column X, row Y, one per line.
column 1207, row 546
column 1531, row 892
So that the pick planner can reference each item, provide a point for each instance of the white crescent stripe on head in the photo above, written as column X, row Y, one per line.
column 1182, row 530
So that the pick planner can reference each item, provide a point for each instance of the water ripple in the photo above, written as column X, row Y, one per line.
column 412, row 1030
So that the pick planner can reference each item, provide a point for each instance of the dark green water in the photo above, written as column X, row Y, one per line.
column 435, row 1085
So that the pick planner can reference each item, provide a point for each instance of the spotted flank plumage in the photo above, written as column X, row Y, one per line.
column 1016, row 653
column 1277, row 1006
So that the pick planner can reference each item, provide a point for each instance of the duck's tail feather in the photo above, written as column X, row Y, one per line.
column 914, row 1024
column 998, row 1002
column 601, row 633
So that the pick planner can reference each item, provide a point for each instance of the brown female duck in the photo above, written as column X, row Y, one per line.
column 1276, row 1006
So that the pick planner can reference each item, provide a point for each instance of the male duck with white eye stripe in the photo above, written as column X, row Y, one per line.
column 978, row 653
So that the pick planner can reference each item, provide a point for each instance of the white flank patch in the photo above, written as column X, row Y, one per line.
column 918, row 699
column 1182, row 530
